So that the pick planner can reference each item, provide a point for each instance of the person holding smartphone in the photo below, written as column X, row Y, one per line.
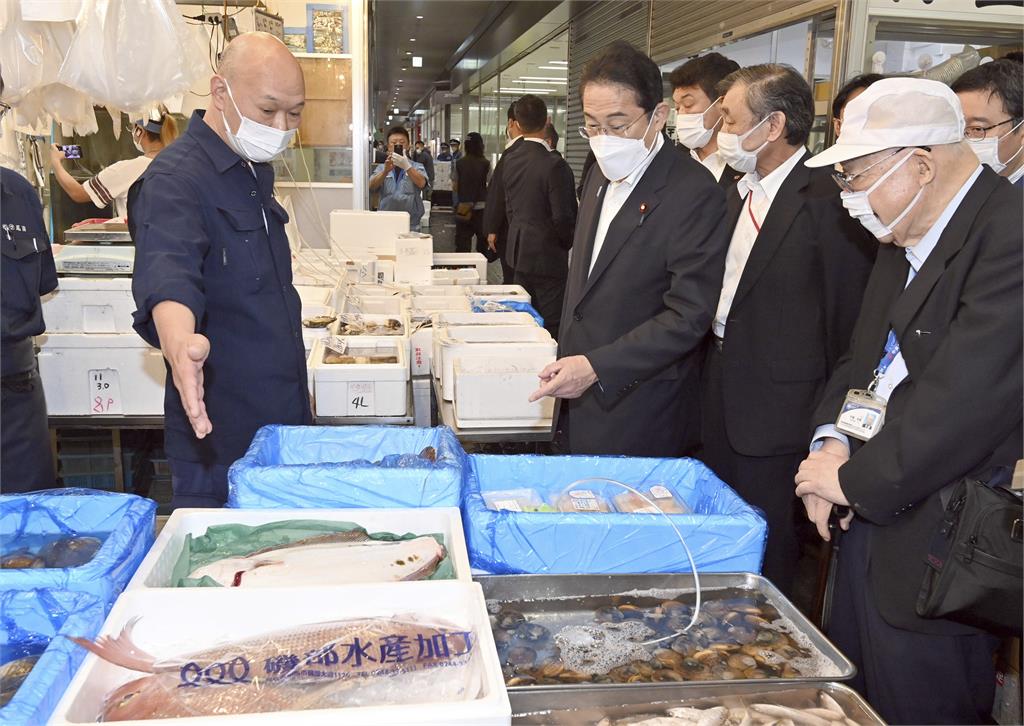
column 400, row 180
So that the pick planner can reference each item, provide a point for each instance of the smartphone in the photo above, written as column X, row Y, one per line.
column 399, row 149
column 71, row 151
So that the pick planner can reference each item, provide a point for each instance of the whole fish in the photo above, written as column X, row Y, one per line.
column 339, row 558
column 345, row 663
column 12, row 675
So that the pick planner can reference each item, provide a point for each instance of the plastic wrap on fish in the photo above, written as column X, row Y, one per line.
column 74, row 539
column 307, row 552
column 724, row 533
column 507, row 306
column 36, row 665
column 348, row 466
column 339, row 664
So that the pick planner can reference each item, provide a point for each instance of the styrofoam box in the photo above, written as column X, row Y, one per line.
column 462, row 259
column 178, row 622
column 459, row 320
column 373, row 299
column 414, row 253
column 403, row 318
column 310, row 336
column 157, row 568
column 101, row 375
column 316, row 300
column 439, row 303
column 515, row 293
column 442, row 290
column 359, row 234
column 372, row 389
column 494, row 393
column 421, row 341
column 467, row 276
column 90, row 305
column 487, row 341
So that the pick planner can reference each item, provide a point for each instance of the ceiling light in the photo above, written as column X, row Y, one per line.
column 559, row 63
column 412, row 40
column 408, row 52
column 536, row 91
column 541, row 79
column 551, row 68
column 419, row 17
column 394, row 110
column 417, row 61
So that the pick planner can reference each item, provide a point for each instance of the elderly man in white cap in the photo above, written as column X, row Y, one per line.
column 935, row 375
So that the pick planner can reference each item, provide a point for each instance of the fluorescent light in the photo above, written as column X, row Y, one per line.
column 538, row 79
column 417, row 61
column 412, row 40
column 536, row 91
column 408, row 52
column 551, row 68
column 419, row 17
column 560, row 63
column 394, row 110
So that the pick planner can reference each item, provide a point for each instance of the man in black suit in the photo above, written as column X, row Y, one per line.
column 646, row 267
column 699, row 111
column 540, row 206
column 940, row 335
column 794, row 277
column 495, row 212
column 551, row 139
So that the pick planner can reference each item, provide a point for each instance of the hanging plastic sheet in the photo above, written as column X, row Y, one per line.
column 573, row 525
column 348, row 466
column 53, row 536
column 507, row 306
column 32, row 622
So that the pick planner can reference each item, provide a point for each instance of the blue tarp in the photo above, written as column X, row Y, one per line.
column 724, row 533
column 125, row 522
column 507, row 306
column 335, row 466
column 34, row 617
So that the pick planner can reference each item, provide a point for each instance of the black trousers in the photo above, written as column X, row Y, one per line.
column 908, row 677
column 465, row 231
column 547, row 294
column 763, row 481
column 26, row 461
column 198, row 485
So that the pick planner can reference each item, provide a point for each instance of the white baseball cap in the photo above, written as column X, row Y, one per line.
column 896, row 112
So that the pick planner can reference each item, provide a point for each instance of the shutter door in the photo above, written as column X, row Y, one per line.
column 589, row 33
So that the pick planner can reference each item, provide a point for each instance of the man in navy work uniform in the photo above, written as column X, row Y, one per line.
column 27, row 271
column 213, row 280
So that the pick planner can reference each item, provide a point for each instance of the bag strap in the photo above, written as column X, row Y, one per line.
column 995, row 476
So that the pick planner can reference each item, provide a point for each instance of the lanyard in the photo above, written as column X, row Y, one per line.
column 750, row 211
column 892, row 349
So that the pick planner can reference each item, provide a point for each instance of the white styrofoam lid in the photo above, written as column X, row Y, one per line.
column 97, row 283
column 57, row 341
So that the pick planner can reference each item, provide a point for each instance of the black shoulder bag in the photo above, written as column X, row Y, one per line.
column 976, row 558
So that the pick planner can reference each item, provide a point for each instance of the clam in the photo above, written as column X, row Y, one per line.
column 532, row 632
column 520, row 681
column 668, row 657
column 510, row 619
column 608, row 614
column 666, row 675
column 550, row 670
column 521, row 656
column 740, row 662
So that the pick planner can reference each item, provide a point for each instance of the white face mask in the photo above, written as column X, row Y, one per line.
column 137, row 140
column 254, row 141
column 730, row 148
column 987, row 151
column 619, row 157
column 859, row 206
column 690, row 131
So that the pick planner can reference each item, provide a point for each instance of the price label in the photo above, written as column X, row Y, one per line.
column 105, row 393
column 360, row 399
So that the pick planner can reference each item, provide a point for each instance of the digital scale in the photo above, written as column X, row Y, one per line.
column 96, row 249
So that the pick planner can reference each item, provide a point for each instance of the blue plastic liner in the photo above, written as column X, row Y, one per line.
column 125, row 521
column 333, row 466
column 511, row 306
column 724, row 533
column 41, row 615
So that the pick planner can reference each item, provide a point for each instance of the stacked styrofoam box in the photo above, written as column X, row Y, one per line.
column 354, row 389
column 156, row 570
column 364, row 235
column 402, row 335
column 456, row 260
column 421, row 338
column 91, row 350
column 466, row 276
column 414, row 253
column 315, row 267
column 483, row 293
column 167, row 625
column 373, row 299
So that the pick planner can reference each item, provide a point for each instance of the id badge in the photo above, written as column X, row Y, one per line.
column 862, row 415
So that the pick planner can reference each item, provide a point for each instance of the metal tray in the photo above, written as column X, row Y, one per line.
column 517, row 588
column 533, row 706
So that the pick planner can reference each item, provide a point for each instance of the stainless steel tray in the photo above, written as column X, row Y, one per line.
column 98, row 233
column 519, row 588
column 534, row 706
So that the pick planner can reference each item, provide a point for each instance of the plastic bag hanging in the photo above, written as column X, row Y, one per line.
column 131, row 54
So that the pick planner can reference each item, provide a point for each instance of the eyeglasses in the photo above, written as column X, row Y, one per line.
column 845, row 181
column 976, row 133
column 590, row 130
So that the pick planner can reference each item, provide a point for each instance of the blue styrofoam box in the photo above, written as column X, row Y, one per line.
column 31, row 616
column 724, row 533
column 37, row 616
column 125, row 521
column 514, row 306
column 347, row 466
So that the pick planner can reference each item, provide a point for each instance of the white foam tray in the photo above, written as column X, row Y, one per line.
column 156, row 569
column 177, row 622
column 90, row 305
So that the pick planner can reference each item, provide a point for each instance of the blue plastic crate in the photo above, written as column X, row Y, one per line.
column 724, row 533
column 513, row 306
column 125, row 520
column 332, row 466
column 31, row 615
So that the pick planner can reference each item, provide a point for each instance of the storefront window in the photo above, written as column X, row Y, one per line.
column 543, row 72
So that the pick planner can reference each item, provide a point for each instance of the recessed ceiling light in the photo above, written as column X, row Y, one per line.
column 419, row 17
column 417, row 61
column 412, row 40
column 408, row 52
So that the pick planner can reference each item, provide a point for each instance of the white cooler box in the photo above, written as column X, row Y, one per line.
column 468, row 276
column 439, row 303
column 486, row 341
column 439, row 290
column 373, row 299
column 90, row 305
column 461, row 260
column 361, row 389
column 315, row 300
column 515, row 293
column 182, row 621
column 491, row 393
column 359, row 234
column 101, row 375
column 455, row 322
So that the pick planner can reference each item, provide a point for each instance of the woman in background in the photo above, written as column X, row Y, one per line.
column 470, row 182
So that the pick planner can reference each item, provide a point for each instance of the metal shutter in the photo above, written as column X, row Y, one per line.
column 603, row 23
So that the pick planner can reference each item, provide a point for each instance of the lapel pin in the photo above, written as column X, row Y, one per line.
column 643, row 212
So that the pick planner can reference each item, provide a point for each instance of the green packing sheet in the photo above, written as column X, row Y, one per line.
column 222, row 541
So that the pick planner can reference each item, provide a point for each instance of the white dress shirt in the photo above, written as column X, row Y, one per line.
column 897, row 372
column 615, row 196
column 542, row 142
column 712, row 162
column 757, row 195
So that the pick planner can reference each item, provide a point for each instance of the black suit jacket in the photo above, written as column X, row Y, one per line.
column 540, row 205
column 495, row 217
column 793, row 312
column 958, row 412
column 642, row 313
column 729, row 178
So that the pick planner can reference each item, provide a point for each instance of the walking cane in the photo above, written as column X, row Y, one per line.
column 835, row 534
